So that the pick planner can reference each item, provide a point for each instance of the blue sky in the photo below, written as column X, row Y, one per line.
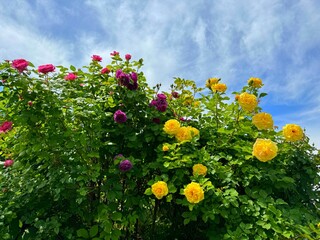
column 278, row 41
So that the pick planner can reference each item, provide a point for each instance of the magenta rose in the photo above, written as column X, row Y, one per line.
column 128, row 57
column 70, row 77
column 114, row 53
column 6, row 126
column 96, row 58
column 46, row 68
column 8, row 163
column 119, row 117
column 125, row 165
column 20, row 64
column 105, row 70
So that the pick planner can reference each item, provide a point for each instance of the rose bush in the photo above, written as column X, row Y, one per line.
column 104, row 156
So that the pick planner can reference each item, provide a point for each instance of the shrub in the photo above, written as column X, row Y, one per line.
column 95, row 153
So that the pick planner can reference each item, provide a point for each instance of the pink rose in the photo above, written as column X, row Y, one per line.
column 20, row 64
column 8, row 163
column 114, row 53
column 6, row 126
column 96, row 58
column 70, row 77
column 128, row 57
column 46, row 68
column 105, row 70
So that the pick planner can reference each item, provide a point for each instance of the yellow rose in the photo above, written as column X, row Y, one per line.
column 160, row 189
column 292, row 132
column 264, row 149
column 193, row 131
column 199, row 169
column 219, row 87
column 263, row 121
column 196, row 104
column 194, row 192
column 212, row 81
column 247, row 101
column 165, row 147
column 183, row 134
column 255, row 82
column 171, row 126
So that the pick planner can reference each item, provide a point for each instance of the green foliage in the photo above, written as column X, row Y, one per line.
column 67, row 181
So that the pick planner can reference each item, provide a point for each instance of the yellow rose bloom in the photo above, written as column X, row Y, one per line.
column 212, row 81
column 194, row 192
column 263, row 121
column 196, row 104
column 255, row 82
column 183, row 134
column 292, row 132
column 171, row 126
column 165, row 147
column 160, row 189
column 199, row 169
column 219, row 87
column 247, row 101
column 193, row 131
column 264, row 149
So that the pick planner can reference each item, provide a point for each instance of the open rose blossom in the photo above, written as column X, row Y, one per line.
column 20, row 64
column 6, row 126
column 125, row 165
column 46, row 68
column 119, row 117
column 8, row 163
column 96, row 58
column 70, row 77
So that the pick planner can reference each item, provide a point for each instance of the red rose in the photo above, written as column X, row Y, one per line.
column 70, row 77
column 96, row 58
column 105, row 70
column 20, row 64
column 46, row 68
column 6, row 126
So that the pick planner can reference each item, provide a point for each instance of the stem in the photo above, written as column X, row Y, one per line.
column 154, row 218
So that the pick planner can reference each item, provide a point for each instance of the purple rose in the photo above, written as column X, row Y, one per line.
column 161, row 96
column 119, row 117
column 118, row 156
column 125, row 165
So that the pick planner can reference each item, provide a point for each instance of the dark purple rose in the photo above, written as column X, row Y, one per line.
column 156, row 120
column 8, row 163
column 125, row 165
column 161, row 96
column 175, row 94
column 119, row 117
column 162, row 107
column 134, row 76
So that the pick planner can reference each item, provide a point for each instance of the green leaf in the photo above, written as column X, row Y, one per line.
column 94, row 231
column 82, row 233
column 148, row 191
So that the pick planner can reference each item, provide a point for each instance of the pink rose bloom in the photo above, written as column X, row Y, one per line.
column 8, row 163
column 46, row 68
column 114, row 53
column 105, row 70
column 128, row 57
column 70, row 77
column 96, row 58
column 20, row 64
column 6, row 126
